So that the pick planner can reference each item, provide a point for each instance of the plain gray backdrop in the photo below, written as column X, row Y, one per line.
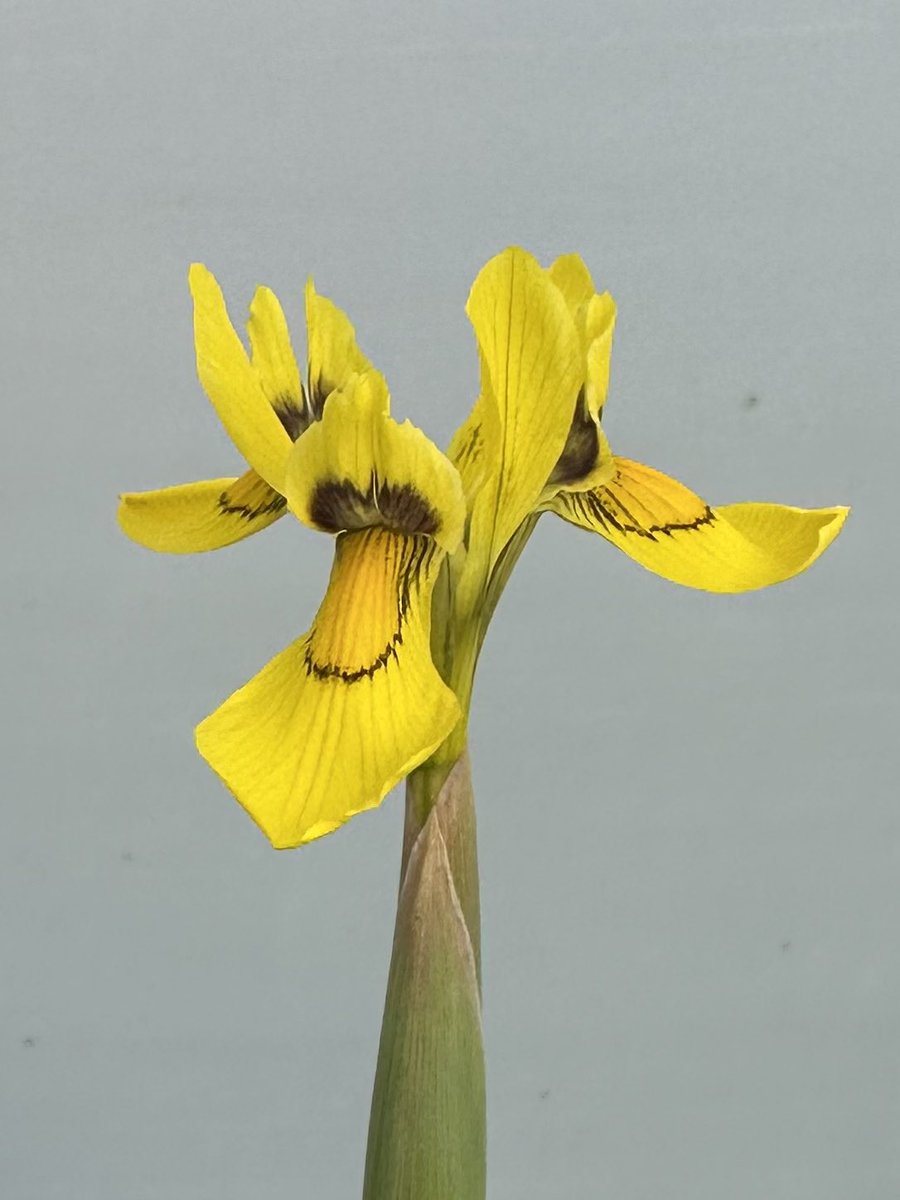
column 687, row 803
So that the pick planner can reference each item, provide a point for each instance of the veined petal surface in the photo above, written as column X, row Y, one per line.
column 668, row 529
column 334, row 355
column 530, row 374
column 233, row 384
column 192, row 517
column 358, row 467
column 338, row 718
column 473, row 446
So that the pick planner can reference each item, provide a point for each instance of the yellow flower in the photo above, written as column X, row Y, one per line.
column 332, row 723
column 533, row 443
column 265, row 408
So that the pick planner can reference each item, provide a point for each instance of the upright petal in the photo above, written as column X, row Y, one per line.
column 600, row 322
column 358, row 468
column 573, row 279
column 233, row 383
column 530, row 374
column 334, row 355
column 200, row 516
column 338, row 718
column 272, row 356
column 595, row 316
column 668, row 529
column 473, row 445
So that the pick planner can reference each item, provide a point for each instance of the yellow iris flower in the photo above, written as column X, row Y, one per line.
column 533, row 443
column 333, row 722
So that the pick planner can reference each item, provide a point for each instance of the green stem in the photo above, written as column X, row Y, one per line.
column 427, row 1136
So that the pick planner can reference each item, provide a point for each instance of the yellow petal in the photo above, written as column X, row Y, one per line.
column 471, row 445
column 600, row 322
column 233, row 383
column 358, row 468
column 531, row 374
column 338, row 718
column 333, row 353
column 665, row 527
column 273, row 358
column 595, row 316
column 573, row 279
column 200, row 516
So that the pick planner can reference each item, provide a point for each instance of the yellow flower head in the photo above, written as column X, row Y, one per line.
column 328, row 727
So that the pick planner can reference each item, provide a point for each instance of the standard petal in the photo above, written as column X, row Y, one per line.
column 233, row 383
column 333, row 353
column 338, row 718
column 273, row 358
column 665, row 527
column 599, row 324
column 595, row 316
column 358, row 468
column 573, row 279
column 470, row 447
column 531, row 373
column 200, row 516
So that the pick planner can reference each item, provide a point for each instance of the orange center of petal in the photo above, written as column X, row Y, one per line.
column 360, row 624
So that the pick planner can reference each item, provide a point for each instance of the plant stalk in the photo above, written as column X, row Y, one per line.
column 427, row 1135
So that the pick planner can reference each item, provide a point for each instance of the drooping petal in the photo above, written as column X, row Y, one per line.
column 334, row 355
column 668, row 529
column 358, row 467
column 233, row 383
column 530, row 374
column 272, row 356
column 192, row 517
column 338, row 718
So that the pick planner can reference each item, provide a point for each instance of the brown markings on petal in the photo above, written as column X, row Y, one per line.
column 582, row 448
column 344, row 644
column 249, row 498
column 607, row 507
column 406, row 509
column 338, row 504
column 320, row 388
column 291, row 412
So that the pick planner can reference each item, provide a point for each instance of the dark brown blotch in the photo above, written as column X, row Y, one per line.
column 406, row 509
column 320, row 388
column 338, row 504
column 582, row 448
column 291, row 414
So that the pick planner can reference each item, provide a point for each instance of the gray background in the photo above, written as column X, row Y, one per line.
column 688, row 819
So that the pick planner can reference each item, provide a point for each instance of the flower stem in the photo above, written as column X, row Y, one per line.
column 427, row 1126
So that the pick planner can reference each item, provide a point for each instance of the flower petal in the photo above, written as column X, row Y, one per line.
column 272, row 356
column 573, row 279
column 333, row 353
column 200, row 516
column 358, row 468
column 530, row 373
column 468, row 450
column 600, row 321
column 338, row 718
column 595, row 316
column 233, row 383
column 665, row 527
